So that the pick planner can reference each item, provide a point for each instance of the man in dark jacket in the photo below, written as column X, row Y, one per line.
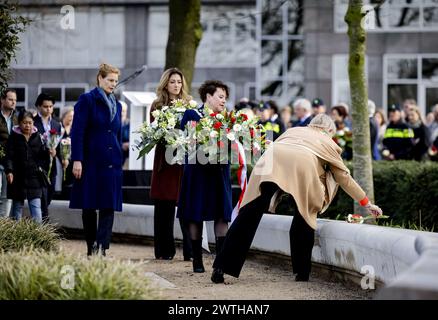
column 44, row 122
column 398, row 140
column 8, row 119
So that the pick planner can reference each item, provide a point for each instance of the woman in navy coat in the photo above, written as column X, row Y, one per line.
column 205, row 193
column 97, row 159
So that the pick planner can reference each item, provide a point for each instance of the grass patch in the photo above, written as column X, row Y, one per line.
column 16, row 235
column 38, row 275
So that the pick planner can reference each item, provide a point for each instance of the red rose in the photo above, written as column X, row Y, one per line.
column 217, row 125
column 251, row 133
column 214, row 114
column 244, row 116
column 53, row 131
column 233, row 119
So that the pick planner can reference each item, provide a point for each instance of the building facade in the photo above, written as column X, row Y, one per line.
column 262, row 49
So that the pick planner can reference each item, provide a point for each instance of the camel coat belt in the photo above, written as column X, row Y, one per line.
column 307, row 164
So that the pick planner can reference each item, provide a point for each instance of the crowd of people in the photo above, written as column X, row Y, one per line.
column 309, row 143
column 403, row 135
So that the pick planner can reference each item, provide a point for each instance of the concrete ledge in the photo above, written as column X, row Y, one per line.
column 405, row 260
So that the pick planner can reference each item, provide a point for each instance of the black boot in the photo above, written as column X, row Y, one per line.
column 92, row 249
column 198, row 266
column 218, row 275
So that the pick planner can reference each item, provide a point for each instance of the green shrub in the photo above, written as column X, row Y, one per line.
column 38, row 275
column 15, row 235
column 407, row 191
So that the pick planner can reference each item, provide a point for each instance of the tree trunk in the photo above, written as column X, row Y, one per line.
column 185, row 33
column 362, row 161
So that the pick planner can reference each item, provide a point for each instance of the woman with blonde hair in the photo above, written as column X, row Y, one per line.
column 306, row 163
column 97, row 159
column 166, row 178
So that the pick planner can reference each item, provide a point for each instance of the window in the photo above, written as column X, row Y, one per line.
column 21, row 90
column 64, row 94
column 98, row 36
column 394, row 16
column 228, row 38
column 407, row 76
column 280, row 68
column 340, row 80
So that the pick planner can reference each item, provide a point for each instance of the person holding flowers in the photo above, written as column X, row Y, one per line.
column 206, row 188
column 65, row 147
column 166, row 177
column 96, row 144
column 50, row 130
column 306, row 163
column 25, row 156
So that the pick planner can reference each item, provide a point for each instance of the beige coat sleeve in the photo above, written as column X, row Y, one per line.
column 348, row 184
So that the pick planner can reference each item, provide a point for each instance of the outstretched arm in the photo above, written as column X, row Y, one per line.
column 352, row 188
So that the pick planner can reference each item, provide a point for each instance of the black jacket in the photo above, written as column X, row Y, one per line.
column 4, row 133
column 22, row 160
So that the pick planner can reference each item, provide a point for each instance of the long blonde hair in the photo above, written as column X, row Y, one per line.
column 162, row 93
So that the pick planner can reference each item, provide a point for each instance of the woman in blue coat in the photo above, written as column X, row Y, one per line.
column 205, row 193
column 97, row 159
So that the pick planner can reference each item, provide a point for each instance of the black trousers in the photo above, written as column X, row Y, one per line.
column 46, row 199
column 242, row 231
column 164, row 241
column 98, row 231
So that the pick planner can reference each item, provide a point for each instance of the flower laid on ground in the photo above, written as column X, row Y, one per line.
column 52, row 139
column 164, row 127
column 357, row 218
column 65, row 151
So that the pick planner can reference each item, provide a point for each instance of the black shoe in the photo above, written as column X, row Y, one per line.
column 217, row 276
column 187, row 258
column 302, row 277
column 198, row 266
column 92, row 250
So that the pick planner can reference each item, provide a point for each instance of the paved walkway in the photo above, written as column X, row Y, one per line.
column 260, row 278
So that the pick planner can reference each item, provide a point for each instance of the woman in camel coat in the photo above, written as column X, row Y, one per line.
column 306, row 163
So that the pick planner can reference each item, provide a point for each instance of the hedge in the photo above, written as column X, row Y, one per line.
column 407, row 191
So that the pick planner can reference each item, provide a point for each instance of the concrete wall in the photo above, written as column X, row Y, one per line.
column 405, row 260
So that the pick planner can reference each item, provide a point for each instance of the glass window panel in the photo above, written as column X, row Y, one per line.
column 430, row 16
column 397, row 93
column 404, row 17
column 56, row 93
column 272, row 59
column 430, row 69
column 400, row 68
column 272, row 88
column 295, row 25
column 21, row 94
column 72, row 94
column 97, row 32
column 295, row 61
column 431, row 98
column 272, row 18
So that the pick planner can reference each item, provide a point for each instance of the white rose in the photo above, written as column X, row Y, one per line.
column 340, row 132
column 231, row 136
column 180, row 109
column 154, row 124
column 164, row 108
column 237, row 127
column 219, row 116
column 156, row 113
column 193, row 103
column 213, row 134
column 171, row 123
